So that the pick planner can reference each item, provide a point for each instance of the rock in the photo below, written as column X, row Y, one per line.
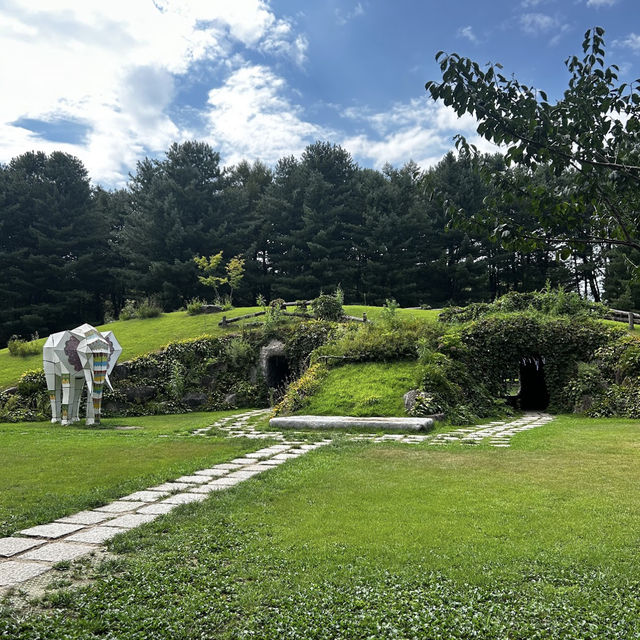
column 11, row 391
column 141, row 393
column 349, row 422
column 409, row 399
column 211, row 308
column 195, row 399
column 231, row 399
column 120, row 372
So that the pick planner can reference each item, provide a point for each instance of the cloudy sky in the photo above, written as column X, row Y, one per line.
column 114, row 81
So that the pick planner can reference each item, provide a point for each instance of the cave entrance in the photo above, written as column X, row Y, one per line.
column 533, row 395
column 277, row 371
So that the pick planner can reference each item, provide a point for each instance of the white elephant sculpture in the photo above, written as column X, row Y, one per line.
column 70, row 358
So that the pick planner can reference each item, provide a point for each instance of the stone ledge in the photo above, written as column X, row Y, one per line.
column 351, row 422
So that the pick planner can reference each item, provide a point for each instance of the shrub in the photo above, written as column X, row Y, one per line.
column 146, row 308
column 389, row 316
column 305, row 338
column 21, row 348
column 195, row 306
column 31, row 382
column 299, row 391
column 326, row 307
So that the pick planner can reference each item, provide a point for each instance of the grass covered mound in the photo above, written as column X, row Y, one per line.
column 386, row 541
column 550, row 347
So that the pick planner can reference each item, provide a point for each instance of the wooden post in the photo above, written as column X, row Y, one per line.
column 224, row 321
column 631, row 319
column 364, row 316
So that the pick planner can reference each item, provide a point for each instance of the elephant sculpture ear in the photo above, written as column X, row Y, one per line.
column 64, row 349
column 114, row 350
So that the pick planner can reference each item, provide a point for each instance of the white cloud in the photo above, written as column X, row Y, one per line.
column 112, row 68
column 467, row 32
column 343, row 17
column 417, row 130
column 632, row 41
column 601, row 3
column 251, row 117
column 535, row 23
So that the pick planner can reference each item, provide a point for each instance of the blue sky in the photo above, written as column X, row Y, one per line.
column 113, row 82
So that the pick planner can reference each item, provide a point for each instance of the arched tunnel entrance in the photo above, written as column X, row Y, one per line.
column 277, row 371
column 533, row 394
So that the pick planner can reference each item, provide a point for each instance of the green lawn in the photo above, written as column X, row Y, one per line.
column 138, row 337
column 48, row 471
column 367, row 389
column 541, row 540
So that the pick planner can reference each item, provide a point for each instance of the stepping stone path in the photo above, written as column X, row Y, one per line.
column 498, row 433
column 33, row 551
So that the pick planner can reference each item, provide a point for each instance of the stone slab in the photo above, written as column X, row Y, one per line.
column 208, row 488
column 52, row 530
column 58, row 552
column 193, row 479
column 184, row 498
column 96, row 535
column 11, row 546
column 14, row 571
column 132, row 520
column 242, row 461
column 171, row 486
column 212, row 472
column 146, row 496
column 86, row 517
column 349, row 422
column 227, row 481
column 159, row 508
column 120, row 506
column 244, row 475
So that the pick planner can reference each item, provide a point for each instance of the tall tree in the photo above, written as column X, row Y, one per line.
column 53, row 245
column 592, row 132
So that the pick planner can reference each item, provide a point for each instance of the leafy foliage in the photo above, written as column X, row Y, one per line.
column 591, row 135
column 327, row 307
column 19, row 347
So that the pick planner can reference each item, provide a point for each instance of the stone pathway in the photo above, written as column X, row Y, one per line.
column 498, row 433
column 34, row 551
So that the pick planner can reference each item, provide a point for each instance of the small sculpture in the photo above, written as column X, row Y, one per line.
column 70, row 358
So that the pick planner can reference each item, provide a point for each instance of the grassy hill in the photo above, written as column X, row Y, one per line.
column 138, row 337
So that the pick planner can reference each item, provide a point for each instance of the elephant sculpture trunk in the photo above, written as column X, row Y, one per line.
column 72, row 357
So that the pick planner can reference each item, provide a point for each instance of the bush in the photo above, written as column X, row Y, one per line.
column 326, row 307
column 299, row 391
column 305, row 338
column 146, row 308
column 21, row 348
column 195, row 306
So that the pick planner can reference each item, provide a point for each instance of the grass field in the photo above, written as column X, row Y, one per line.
column 541, row 540
column 48, row 471
column 138, row 337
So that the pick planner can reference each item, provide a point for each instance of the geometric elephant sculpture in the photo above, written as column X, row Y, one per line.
column 70, row 359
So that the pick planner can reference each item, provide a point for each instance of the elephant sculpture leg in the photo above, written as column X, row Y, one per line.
column 54, row 389
column 100, row 363
column 77, row 384
column 66, row 392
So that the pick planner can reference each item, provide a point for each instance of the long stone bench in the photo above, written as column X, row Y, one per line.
column 351, row 422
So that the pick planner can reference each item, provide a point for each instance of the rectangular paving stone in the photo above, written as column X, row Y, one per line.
column 158, row 508
column 228, row 481
column 270, row 463
column 243, row 475
column 58, row 552
column 242, row 461
column 86, row 517
column 193, row 479
column 171, row 486
column 146, row 496
column 120, row 506
column 207, row 488
column 52, row 530
column 184, row 498
column 258, row 454
column 132, row 520
column 212, row 472
column 226, row 466
column 15, row 571
column 96, row 535
column 256, row 467
column 11, row 546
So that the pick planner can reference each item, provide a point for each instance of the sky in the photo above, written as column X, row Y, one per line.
column 115, row 81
